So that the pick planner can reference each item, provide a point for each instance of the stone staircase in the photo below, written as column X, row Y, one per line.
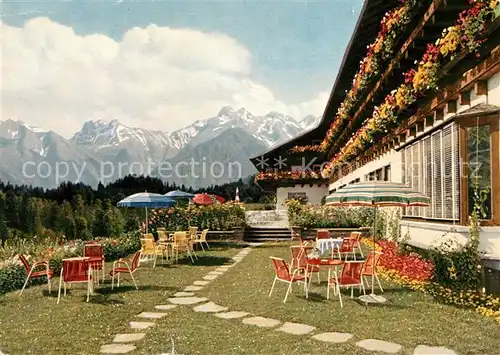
column 268, row 234
column 267, row 226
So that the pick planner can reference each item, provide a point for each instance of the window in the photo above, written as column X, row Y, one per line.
column 480, row 155
column 296, row 195
column 387, row 173
column 431, row 167
column 382, row 174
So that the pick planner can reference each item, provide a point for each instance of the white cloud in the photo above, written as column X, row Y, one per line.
column 155, row 77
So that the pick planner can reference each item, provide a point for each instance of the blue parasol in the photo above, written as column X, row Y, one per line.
column 146, row 199
column 179, row 194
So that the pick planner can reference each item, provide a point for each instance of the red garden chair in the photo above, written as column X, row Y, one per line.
column 31, row 274
column 283, row 274
column 96, row 258
column 299, row 261
column 127, row 266
column 345, row 248
column 75, row 270
column 350, row 276
column 370, row 268
column 357, row 245
column 322, row 234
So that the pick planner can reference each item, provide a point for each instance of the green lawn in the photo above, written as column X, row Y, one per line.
column 37, row 325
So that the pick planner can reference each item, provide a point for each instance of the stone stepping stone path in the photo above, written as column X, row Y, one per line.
column 210, row 307
column 432, row 350
column 262, row 322
column 186, row 297
column 232, row 315
column 126, row 338
column 201, row 283
column 187, row 300
column 151, row 315
column 380, row 346
column 117, row 348
column 141, row 325
column 216, row 273
column 184, row 294
column 165, row 307
column 333, row 337
column 296, row 328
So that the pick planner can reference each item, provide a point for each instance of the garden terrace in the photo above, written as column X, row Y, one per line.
column 242, row 288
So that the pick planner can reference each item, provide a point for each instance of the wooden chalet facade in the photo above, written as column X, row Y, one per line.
column 426, row 113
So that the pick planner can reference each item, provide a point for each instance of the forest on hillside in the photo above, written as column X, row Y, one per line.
column 77, row 211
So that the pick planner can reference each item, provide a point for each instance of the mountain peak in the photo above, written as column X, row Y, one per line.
column 226, row 111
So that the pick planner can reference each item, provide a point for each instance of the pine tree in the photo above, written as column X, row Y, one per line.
column 3, row 221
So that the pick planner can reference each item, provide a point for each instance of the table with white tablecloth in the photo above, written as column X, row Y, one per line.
column 324, row 245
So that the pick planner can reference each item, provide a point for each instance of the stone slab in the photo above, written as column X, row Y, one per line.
column 432, row 350
column 201, row 283
column 333, row 337
column 231, row 315
column 379, row 345
column 117, row 348
column 296, row 328
column 126, row 338
column 209, row 277
column 221, row 269
column 140, row 325
column 187, row 300
column 210, row 307
column 151, row 315
column 165, row 307
column 261, row 322
column 184, row 294
column 216, row 272
column 193, row 288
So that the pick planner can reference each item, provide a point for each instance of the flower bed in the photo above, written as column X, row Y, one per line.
column 393, row 24
column 306, row 216
column 463, row 38
column 13, row 274
column 414, row 272
column 216, row 217
column 305, row 177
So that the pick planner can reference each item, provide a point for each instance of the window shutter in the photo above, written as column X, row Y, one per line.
column 415, row 171
column 437, row 197
column 448, row 173
column 428, row 174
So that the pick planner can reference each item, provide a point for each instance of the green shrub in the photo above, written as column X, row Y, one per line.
column 217, row 217
column 308, row 216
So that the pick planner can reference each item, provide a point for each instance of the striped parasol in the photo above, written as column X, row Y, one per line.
column 378, row 193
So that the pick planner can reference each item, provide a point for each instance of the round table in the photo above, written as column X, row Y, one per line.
column 327, row 263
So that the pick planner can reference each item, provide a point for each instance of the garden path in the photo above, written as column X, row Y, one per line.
column 123, row 343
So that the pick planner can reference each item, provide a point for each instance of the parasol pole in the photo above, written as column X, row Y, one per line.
column 147, row 222
column 374, row 231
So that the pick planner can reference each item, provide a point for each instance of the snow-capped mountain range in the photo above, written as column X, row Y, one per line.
column 110, row 141
column 270, row 129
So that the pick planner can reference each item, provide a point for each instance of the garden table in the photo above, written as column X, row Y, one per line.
column 328, row 263
column 324, row 245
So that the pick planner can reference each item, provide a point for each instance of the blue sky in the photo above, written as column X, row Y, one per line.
column 295, row 46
